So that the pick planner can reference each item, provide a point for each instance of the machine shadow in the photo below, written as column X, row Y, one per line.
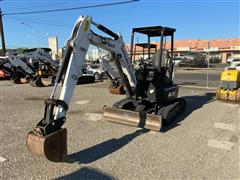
column 192, row 103
column 86, row 173
column 186, row 83
column 103, row 149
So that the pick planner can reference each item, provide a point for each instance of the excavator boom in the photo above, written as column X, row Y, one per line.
column 49, row 131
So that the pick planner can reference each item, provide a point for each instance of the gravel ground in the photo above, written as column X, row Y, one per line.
column 197, row 78
column 203, row 143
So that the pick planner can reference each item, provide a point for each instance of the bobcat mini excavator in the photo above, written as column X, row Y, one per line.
column 38, row 62
column 150, row 99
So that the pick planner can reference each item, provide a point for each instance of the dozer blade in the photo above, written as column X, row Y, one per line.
column 37, row 82
column 132, row 118
column 53, row 146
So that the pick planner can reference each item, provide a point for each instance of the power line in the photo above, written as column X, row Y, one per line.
column 36, row 22
column 69, row 9
column 37, row 6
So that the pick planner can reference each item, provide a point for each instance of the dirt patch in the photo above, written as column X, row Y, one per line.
column 234, row 138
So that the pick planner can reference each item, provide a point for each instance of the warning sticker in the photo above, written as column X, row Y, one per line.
column 86, row 26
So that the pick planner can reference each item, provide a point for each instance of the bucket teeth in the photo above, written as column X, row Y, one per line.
column 147, row 121
column 53, row 146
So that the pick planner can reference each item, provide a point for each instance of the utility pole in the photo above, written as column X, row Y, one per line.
column 2, row 34
column 208, row 59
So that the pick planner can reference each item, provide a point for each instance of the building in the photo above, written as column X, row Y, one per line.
column 53, row 45
column 221, row 48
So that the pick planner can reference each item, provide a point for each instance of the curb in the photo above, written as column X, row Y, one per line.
column 198, row 87
column 205, row 69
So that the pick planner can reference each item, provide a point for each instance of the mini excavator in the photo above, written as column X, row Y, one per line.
column 151, row 97
column 34, row 65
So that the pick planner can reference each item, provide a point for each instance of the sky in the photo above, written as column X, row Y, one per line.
column 201, row 19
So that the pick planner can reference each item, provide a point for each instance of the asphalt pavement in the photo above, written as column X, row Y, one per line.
column 203, row 143
column 202, row 78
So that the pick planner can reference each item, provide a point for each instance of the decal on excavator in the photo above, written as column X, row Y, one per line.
column 86, row 26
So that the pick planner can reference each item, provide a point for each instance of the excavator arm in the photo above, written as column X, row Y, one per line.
column 116, row 86
column 46, row 66
column 82, row 36
column 19, row 63
column 40, row 56
column 49, row 138
column 25, row 64
column 104, row 61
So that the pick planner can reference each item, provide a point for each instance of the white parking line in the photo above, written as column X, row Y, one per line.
column 2, row 159
column 153, row 132
column 224, row 126
column 82, row 102
column 93, row 116
column 220, row 144
column 239, row 120
column 231, row 105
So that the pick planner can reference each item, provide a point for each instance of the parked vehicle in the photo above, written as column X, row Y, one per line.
column 94, row 69
column 2, row 74
column 6, row 70
column 235, row 62
column 177, row 60
column 229, row 60
column 238, row 66
column 193, row 59
column 234, row 65
column 214, row 60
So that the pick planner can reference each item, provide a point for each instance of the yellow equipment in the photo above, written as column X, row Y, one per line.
column 229, row 89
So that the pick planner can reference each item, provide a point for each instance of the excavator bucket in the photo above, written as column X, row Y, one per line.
column 37, row 82
column 53, row 146
column 117, row 90
column 15, row 80
column 132, row 118
column 18, row 80
column 26, row 80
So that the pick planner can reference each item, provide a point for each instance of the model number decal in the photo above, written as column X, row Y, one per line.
column 86, row 26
